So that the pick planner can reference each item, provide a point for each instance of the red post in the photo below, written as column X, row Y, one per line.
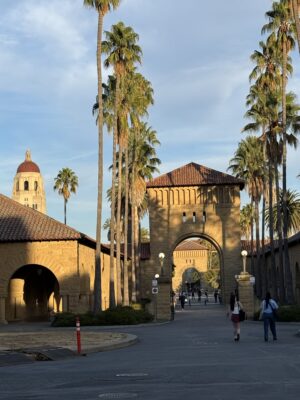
column 78, row 335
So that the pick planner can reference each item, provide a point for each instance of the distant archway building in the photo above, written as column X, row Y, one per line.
column 192, row 201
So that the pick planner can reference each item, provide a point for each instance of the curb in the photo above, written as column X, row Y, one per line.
column 129, row 341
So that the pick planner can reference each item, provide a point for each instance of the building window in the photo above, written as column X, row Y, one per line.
column 35, row 185
column 183, row 217
column 204, row 217
column 194, row 217
column 26, row 185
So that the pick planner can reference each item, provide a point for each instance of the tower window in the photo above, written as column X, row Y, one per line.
column 194, row 217
column 17, row 186
column 183, row 217
column 26, row 185
column 35, row 185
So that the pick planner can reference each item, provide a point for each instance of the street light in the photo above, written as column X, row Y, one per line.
column 161, row 257
column 154, row 293
column 244, row 254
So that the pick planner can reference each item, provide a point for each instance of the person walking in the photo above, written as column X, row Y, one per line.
column 206, row 297
column 182, row 300
column 216, row 295
column 268, row 310
column 199, row 295
column 234, row 310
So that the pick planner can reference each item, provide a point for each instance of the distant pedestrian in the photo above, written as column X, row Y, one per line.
column 199, row 295
column 182, row 300
column 268, row 310
column 234, row 310
column 206, row 297
column 190, row 298
column 216, row 295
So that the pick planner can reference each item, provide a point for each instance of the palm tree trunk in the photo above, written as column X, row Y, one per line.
column 97, row 280
column 289, row 282
column 295, row 5
column 257, row 240
column 125, row 274
column 65, row 211
column 136, row 251
column 112, row 291
column 271, row 230
column 252, row 240
column 118, row 228
column 263, row 220
column 133, row 258
column 262, row 254
column 279, row 231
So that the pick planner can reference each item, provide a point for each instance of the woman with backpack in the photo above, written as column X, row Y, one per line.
column 268, row 311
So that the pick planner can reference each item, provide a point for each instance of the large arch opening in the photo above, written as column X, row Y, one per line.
column 33, row 293
column 197, row 269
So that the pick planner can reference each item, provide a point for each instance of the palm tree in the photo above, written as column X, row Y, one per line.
column 280, row 23
column 122, row 53
column 293, row 206
column 102, row 7
column 295, row 7
column 66, row 183
column 143, row 164
column 246, row 218
column 248, row 164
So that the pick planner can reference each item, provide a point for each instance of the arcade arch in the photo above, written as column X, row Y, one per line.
column 33, row 292
column 196, row 265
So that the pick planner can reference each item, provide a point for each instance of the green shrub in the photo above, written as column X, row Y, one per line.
column 113, row 316
column 284, row 314
column 289, row 314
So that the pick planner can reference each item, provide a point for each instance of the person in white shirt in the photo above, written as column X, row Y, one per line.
column 268, row 308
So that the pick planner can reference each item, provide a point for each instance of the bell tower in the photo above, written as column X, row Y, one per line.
column 28, row 187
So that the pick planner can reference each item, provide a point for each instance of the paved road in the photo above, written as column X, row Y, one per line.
column 193, row 357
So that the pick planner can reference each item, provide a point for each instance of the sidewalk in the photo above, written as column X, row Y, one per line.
column 38, row 338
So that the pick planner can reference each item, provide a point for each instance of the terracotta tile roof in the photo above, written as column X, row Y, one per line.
column 190, row 245
column 194, row 174
column 19, row 223
column 28, row 166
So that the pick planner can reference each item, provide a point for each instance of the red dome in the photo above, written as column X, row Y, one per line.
column 28, row 166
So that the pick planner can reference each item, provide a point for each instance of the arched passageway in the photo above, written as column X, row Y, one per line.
column 196, row 266
column 32, row 294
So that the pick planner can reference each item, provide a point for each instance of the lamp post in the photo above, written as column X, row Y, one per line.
column 155, row 292
column 161, row 257
column 244, row 255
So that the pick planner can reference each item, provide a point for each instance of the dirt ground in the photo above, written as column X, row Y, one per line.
column 67, row 339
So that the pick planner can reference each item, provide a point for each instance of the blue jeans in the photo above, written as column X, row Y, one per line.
column 269, row 320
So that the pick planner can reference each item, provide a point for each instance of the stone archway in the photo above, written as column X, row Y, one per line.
column 193, row 201
column 33, row 292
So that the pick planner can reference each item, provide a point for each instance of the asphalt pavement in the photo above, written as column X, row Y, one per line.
column 192, row 357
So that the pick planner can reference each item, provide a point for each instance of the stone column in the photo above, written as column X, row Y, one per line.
column 65, row 302
column 2, row 311
column 16, row 306
column 246, row 293
column 164, row 299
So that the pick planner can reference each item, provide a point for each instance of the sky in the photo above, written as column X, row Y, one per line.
column 195, row 53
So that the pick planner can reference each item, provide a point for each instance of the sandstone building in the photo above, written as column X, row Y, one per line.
column 44, row 265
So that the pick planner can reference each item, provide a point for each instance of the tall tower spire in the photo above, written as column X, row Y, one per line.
column 28, row 188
